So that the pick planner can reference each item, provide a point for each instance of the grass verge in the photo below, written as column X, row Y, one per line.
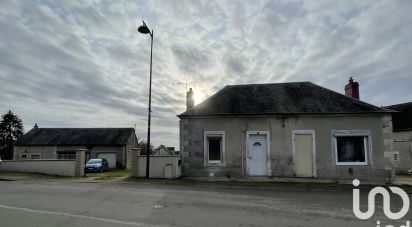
column 110, row 175
column 35, row 175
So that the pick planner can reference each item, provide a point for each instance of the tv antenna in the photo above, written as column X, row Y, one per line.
column 187, row 83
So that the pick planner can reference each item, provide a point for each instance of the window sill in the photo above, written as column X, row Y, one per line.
column 211, row 164
column 352, row 164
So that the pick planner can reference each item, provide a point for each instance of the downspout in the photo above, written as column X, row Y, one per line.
column 241, row 152
column 242, row 132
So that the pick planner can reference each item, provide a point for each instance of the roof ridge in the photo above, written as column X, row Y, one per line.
column 241, row 85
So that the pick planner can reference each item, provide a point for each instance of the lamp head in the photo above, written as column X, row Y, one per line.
column 143, row 29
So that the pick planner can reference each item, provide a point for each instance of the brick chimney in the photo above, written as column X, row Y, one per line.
column 190, row 102
column 352, row 89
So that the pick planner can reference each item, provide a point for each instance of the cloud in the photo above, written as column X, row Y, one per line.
column 83, row 64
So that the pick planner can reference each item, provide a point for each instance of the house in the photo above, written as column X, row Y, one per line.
column 113, row 144
column 163, row 150
column 402, row 136
column 286, row 129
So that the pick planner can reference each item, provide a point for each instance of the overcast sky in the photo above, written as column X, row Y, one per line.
column 83, row 64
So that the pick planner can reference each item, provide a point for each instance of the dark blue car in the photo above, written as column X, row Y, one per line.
column 96, row 165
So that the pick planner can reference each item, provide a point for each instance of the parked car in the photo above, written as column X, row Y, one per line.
column 96, row 164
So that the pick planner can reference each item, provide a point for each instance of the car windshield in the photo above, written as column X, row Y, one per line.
column 93, row 161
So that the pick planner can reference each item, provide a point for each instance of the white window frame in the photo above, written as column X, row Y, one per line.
column 305, row 132
column 207, row 134
column 367, row 143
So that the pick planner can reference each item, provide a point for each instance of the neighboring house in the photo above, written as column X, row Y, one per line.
column 286, row 129
column 113, row 144
column 163, row 150
column 402, row 136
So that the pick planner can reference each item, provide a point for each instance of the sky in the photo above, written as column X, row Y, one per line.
column 83, row 64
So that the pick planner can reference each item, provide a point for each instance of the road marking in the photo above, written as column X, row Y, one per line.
column 74, row 215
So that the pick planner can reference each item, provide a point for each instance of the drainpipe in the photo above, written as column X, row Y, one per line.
column 241, row 152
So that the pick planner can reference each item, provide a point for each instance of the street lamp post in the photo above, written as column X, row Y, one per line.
column 145, row 30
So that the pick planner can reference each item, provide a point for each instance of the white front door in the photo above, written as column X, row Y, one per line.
column 257, row 145
column 110, row 157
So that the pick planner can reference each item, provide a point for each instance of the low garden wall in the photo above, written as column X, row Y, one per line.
column 50, row 167
column 161, row 166
column 60, row 167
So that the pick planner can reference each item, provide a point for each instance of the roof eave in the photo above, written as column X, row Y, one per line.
column 301, row 113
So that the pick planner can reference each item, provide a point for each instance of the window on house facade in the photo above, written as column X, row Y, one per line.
column 396, row 155
column 66, row 155
column 351, row 148
column 214, row 147
column 34, row 156
column 23, row 155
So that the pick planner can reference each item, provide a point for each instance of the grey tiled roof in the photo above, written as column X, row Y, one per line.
column 76, row 136
column 402, row 120
column 279, row 98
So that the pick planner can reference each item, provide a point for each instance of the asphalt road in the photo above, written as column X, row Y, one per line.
column 44, row 203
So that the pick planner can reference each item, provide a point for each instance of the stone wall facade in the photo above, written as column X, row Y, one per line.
column 379, row 167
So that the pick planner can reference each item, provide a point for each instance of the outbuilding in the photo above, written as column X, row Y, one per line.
column 113, row 144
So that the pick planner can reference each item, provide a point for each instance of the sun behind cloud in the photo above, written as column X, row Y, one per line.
column 198, row 97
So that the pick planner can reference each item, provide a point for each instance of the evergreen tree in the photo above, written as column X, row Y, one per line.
column 11, row 129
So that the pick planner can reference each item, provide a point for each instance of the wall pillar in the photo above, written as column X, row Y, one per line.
column 133, row 160
column 387, row 133
column 80, row 161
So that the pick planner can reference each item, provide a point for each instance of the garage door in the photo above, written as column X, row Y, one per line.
column 110, row 157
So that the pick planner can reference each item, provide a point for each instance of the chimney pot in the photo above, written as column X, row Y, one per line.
column 190, row 102
column 352, row 89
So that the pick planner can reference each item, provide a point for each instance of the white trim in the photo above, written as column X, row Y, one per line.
column 366, row 134
column 305, row 132
column 206, row 161
column 268, row 165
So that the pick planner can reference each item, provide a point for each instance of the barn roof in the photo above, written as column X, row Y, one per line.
column 76, row 136
column 279, row 98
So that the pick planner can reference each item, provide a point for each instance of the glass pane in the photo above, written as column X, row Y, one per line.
column 214, row 149
column 351, row 149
